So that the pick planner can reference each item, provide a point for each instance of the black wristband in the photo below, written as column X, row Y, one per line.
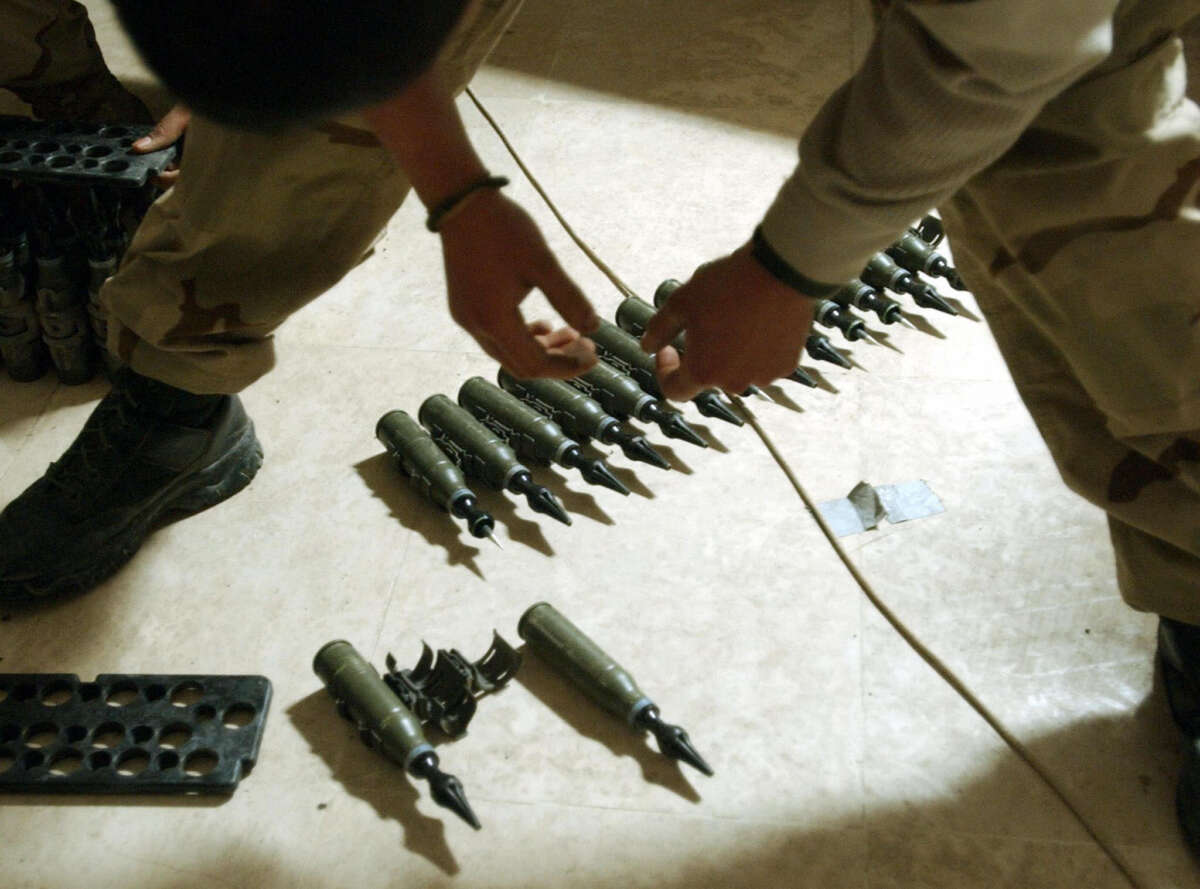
column 438, row 213
column 777, row 267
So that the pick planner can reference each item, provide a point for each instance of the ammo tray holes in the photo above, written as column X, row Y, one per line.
column 100, row 759
column 110, row 734
column 56, row 693
column 122, row 694
column 43, row 734
column 133, row 762
column 88, row 691
column 187, row 693
column 200, row 763
column 174, row 736
column 238, row 716
column 9, row 732
column 6, row 760
column 67, row 762
column 26, row 691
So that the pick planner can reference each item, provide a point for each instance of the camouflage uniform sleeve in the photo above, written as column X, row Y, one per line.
column 945, row 89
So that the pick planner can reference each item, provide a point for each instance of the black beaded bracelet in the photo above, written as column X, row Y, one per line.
column 777, row 267
column 438, row 214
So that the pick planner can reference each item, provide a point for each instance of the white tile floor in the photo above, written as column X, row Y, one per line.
column 842, row 759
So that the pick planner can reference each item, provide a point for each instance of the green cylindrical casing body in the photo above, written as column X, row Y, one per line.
column 664, row 291
column 882, row 271
column 856, row 294
column 824, row 310
column 914, row 253
column 354, row 683
column 419, row 458
column 566, row 648
column 530, row 434
column 617, row 393
column 578, row 415
column 471, row 445
column 624, row 352
column 635, row 313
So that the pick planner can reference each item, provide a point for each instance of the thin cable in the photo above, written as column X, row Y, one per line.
column 621, row 286
column 935, row 663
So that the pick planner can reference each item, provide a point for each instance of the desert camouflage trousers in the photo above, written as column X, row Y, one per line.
column 257, row 226
column 1082, row 246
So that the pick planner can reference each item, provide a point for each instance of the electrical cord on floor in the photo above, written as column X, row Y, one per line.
column 929, row 657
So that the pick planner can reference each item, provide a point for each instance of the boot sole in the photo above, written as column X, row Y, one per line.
column 219, row 481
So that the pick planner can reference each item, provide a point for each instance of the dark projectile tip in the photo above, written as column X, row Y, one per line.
column 541, row 500
column 800, row 375
column 954, row 279
column 673, row 741
column 677, row 745
column 596, row 472
column 675, row 426
column 823, row 350
column 448, row 793
column 929, row 298
column 710, row 405
column 637, row 448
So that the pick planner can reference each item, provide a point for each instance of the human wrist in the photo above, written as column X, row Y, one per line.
column 783, row 272
column 452, row 204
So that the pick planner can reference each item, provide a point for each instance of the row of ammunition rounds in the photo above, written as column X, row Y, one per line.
column 386, row 724
column 58, row 245
column 494, row 427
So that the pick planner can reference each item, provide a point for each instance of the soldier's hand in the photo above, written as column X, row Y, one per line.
column 743, row 328
column 495, row 255
column 167, row 131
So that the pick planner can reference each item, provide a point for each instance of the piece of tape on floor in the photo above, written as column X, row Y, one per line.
column 866, row 506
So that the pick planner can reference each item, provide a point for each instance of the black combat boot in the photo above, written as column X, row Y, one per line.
column 1179, row 655
column 148, row 450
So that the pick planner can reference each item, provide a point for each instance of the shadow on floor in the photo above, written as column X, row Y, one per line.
column 417, row 513
column 393, row 795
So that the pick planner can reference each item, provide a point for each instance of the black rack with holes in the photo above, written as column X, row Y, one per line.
column 77, row 153
column 129, row 733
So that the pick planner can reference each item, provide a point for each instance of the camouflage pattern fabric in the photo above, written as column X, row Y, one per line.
column 1082, row 245
column 257, row 226
column 50, row 59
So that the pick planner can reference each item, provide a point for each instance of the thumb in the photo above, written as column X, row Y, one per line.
column 166, row 132
column 663, row 328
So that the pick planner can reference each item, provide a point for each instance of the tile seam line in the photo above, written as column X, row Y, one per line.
column 935, row 663
column 924, row 652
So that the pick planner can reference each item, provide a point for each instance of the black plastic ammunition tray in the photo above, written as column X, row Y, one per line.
column 129, row 733
column 77, row 153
